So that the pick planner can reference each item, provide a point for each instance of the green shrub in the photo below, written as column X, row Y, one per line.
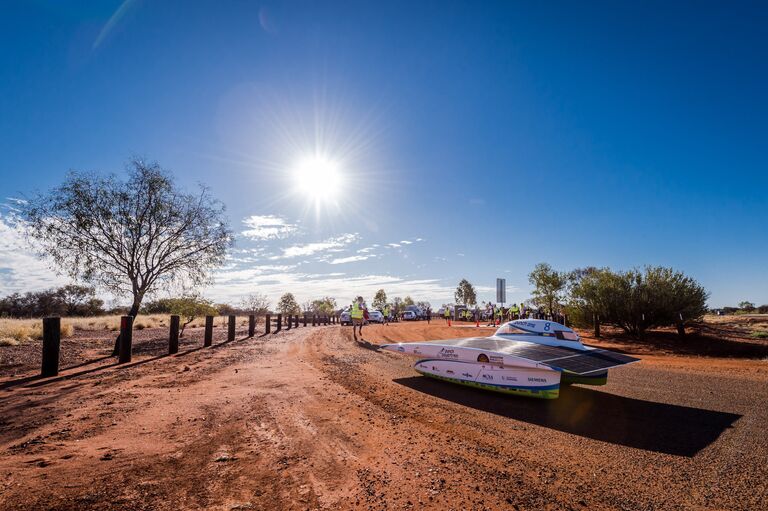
column 637, row 300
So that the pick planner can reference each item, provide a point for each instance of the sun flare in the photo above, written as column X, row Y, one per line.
column 318, row 178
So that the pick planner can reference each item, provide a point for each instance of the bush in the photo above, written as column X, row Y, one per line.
column 189, row 307
column 69, row 300
column 638, row 300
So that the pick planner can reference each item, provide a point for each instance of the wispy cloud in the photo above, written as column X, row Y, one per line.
column 330, row 245
column 20, row 269
column 233, row 286
column 262, row 227
column 351, row 259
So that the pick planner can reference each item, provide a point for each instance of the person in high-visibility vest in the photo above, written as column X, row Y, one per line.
column 356, row 315
column 447, row 314
column 386, row 314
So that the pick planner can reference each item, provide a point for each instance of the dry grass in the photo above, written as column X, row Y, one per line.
column 15, row 331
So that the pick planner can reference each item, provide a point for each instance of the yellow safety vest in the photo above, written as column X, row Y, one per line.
column 386, row 311
column 447, row 312
column 357, row 312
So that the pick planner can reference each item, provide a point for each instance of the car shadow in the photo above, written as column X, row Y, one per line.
column 659, row 427
column 367, row 345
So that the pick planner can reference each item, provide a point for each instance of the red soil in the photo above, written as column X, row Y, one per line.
column 310, row 419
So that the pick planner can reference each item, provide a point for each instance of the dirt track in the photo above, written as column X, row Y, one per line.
column 309, row 419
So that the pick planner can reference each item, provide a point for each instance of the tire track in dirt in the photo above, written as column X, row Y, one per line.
column 310, row 419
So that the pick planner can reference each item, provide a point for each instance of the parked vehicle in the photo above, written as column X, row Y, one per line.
column 417, row 311
column 345, row 318
column 409, row 315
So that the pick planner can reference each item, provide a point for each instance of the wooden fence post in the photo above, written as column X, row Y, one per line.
column 314, row 320
column 268, row 324
column 279, row 323
column 288, row 322
column 681, row 327
column 208, row 339
column 251, row 325
column 173, row 338
column 231, row 329
column 597, row 325
column 296, row 321
column 51, row 346
column 126, row 339
column 305, row 320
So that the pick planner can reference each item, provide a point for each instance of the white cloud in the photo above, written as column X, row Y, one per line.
column 231, row 287
column 20, row 269
column 334, row 244
column 406, row 242
column 351, row 259
column 264, row 227
column 394, row 245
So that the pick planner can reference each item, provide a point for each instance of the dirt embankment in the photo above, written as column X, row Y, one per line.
column 310, row 419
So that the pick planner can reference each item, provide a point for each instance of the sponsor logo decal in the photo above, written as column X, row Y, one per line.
column 447, row 353
column 449, row 371
column 467, row 375
column 488, row 376
column 483, row 358
column 401, row 349
column 497, row 359
column 509, row 378
column 539, row 380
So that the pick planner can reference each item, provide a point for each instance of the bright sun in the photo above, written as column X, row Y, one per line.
column 318, row 178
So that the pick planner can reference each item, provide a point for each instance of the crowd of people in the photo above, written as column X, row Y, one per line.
column 490, row 314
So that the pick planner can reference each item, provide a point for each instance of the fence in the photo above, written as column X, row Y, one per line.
column 52, row 334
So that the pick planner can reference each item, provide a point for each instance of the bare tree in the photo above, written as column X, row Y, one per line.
column 256, row 303
column 129, row 237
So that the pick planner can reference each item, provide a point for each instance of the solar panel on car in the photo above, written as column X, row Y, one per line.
column 569, row 359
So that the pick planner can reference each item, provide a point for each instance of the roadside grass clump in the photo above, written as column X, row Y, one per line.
column 761, row 334
column 16, row 331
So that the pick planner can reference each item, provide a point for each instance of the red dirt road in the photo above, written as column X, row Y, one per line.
column 309, row 419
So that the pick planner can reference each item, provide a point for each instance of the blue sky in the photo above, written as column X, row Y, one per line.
column 473, row 139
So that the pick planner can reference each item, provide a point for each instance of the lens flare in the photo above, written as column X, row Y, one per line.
column 319, row 179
